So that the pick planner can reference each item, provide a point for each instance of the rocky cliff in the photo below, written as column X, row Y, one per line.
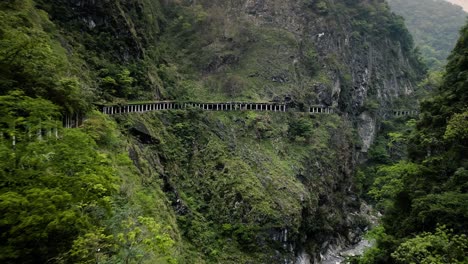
column 316, row 52
column 354, row 55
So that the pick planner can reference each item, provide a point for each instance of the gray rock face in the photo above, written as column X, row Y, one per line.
column 339, row 256
column 366, row 130
column 376, row 66
column 357, row 67
column 303, row 258
column 341, row 248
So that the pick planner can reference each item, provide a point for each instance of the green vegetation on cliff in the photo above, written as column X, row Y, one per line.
column 61, row 195
column 424, row 196
column 245, row 184
column 188, row 186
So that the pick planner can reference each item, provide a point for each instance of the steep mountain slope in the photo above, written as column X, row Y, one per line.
column 305, row 53
column 425, row 195
column 191, row 186
column 319, row 52
column 434, row 25
column 311, row 44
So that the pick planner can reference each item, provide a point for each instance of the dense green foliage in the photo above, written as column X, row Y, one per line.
column 234, row 187
column 63, row 192
column 32, row 61
column 429, row 188
column 440, row 247
column 434, row 25
column 59, row 190
column 117, row 45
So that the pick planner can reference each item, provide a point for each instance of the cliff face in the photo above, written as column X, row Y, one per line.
column 122, row 28
column 341, row 53
column 247, row 187
column 353, row 55
column 332, row 51
column 244, row 187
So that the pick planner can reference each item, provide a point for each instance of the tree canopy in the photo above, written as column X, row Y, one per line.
column 430, row 188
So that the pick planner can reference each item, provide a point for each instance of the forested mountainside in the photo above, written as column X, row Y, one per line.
column 435, row 26
column 186, row 186
column 423, row 193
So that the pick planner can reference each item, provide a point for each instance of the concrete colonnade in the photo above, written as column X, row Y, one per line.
column 320, row 110
column 405, row 112
column 231, row 106
column 74, row 120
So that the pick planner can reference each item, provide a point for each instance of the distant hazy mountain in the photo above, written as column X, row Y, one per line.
column 434, row 24
column 462, row 3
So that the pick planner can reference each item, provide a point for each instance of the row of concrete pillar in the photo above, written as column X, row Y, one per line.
column 236, row 107
column 320, row 110
column 405, row 113
column 37, row 134
column 72, row 121
column 141, row 108
column 51, row 132
column 111, row 110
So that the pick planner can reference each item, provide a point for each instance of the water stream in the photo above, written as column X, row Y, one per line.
column 339, row 257
column 336, row 256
